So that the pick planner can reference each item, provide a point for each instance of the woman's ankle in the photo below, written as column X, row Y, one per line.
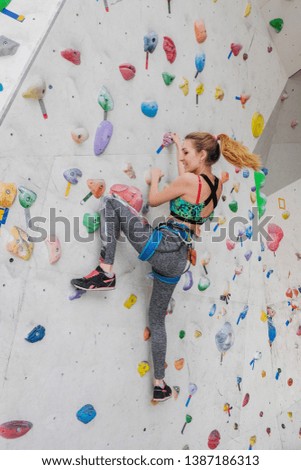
column 108, row 268
column 159, row 382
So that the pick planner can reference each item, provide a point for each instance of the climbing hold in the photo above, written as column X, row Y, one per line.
column 197, row 334
column 129, row 194
column 263, row 374
column 54, row 249
column 26, row 197
column 277, row 24
column 149, row 108
column 243, row 99
column 91, row 221
column 219, row 93
column 179, row 364
column 248, row 255
column 36, row 92
column 248, row 9
column 205, row 260
column 246, row 173
column 182, row 334
column 168, row 78
column 146, row 333
column 252, row 442
column 261, row 199
column 200, row 31
column 199, row 91
column 20, row 245
column 97, row 188
column 235, row 49
column 184, row 86
column 242, row 314
column 204, row 283
column 167, row 140
column 71, row 176
column 290, row 382
column 105, row 100
column 257, row 124
column 220, row 221
column 86, row 414
column 233, row 206
column 212, row 310
column 8, row 46
column 230, row 244
column 245, row 56
column 79, row 135
column 128, row 71
column 294, row 123
column 285, row 215
column 238, row 270
column 143, row 368
column 150, row 44
column 278, row 373
column 246, row 400
column 224, row 338
column 130, row 301
column 188, row 420
column 268, row 431
column 276, row 233
column 129, row 171
column 1, row 87
column 170, row 49
column 200, row 60
column 14, row 429
column 192, row 389
column 214, row 439
column 102, row 137
column 8, row 192
column 37, row 334
column 188, row 280
column 238, row 381
column 71, row 55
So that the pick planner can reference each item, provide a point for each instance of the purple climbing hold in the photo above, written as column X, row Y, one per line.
column 102, row 137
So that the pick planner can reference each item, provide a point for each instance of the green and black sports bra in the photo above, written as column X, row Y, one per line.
column 190, row 212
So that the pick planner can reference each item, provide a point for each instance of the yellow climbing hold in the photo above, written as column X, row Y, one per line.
column 263, row 374
column 143, row 368
column 257, row 124
column 219, row 93
column 253, row 197
column 130, row 301
column 200, row 89
column 263, row 316
column 197, row 334
column 285, row 215
column 290, row 415
column 248, row 9
column 185, row 86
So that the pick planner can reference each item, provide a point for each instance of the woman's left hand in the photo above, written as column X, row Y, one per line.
column 156, row 174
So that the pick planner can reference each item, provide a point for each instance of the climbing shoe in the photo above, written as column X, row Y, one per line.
column 162, row 394
column 95, row 280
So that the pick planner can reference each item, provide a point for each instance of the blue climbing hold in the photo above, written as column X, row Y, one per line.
column 36, row 334
column 86, row 414
column 1, row 87
column 212, row 310
column 246, row 173
column 149, row 108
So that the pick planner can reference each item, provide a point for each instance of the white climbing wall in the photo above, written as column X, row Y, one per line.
column 93, row 345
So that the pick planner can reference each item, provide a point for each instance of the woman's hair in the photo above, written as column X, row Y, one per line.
column 234, row 152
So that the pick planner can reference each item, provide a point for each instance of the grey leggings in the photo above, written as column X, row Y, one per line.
column 169, row 260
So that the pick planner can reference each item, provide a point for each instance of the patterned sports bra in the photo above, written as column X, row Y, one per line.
column 190, row 212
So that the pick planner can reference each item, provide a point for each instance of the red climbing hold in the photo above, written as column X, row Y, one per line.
column 128, row 71
column 246, row 399
column 14, row 429
column 72, row 55
column 213, row 439
column 170, row 49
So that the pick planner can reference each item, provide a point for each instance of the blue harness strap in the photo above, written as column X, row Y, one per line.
column 167, row 280
column 151, row 245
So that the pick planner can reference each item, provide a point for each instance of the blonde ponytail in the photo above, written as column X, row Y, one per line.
column 237, row 154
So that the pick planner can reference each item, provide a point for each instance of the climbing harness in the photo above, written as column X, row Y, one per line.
column 154, row 241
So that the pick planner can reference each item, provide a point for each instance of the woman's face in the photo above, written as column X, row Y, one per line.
column 190, row 158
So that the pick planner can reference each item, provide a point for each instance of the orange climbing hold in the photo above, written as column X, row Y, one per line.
column 179, row 364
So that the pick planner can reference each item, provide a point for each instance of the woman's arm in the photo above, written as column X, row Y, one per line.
column 178, row 143
column 175, row 189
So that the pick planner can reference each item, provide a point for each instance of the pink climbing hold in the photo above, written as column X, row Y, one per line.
column 213, row 439
column 14, row 429
column 170, row 49
column 246, row 399
column 276, row 234
column 72, row 55
column 128, row 71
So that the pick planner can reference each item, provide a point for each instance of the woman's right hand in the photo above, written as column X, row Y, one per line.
column 176, row 140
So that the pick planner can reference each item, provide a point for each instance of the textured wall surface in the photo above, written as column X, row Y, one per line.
column 93, row 345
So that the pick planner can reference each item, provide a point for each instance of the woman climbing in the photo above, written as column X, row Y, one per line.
column 193, row 196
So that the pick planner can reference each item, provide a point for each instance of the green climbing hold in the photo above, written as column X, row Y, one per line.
column 168, row 78
column 204, row 283
column 26, row 197
column 4, row 4
column 182, row 334
column 233, row 206
column 277, row 24
column 261, row 199
column 91, row 222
